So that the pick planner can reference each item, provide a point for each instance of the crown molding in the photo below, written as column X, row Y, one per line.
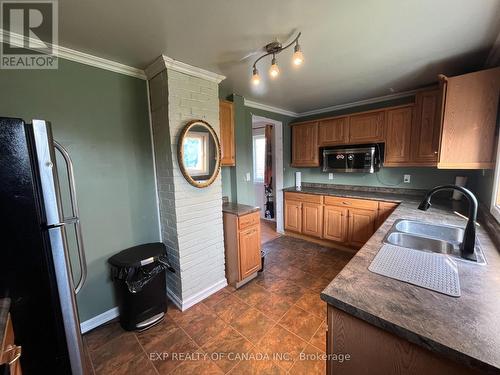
column 269, row 108
column 164, row 62
column 77, row 56
column 358, row 103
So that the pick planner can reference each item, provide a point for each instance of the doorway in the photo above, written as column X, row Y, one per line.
column 263, row 196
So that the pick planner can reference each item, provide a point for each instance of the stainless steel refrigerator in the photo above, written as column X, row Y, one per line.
column 41, row 232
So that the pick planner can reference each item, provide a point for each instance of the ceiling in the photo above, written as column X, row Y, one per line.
column 354, row 50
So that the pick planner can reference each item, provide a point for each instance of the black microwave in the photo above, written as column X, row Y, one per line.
column 364, row 158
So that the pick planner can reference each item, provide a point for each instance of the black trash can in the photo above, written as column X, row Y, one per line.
column 139, row 278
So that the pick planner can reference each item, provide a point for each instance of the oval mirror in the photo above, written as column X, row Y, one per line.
column 199, row 153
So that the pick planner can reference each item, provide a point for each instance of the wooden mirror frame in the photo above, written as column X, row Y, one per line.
column 180, row 154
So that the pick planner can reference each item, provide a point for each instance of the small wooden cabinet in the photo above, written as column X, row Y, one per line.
column 385, row 210
column 226, row 121
column 367, row 127
column 333, row 132
column 305, row 151
column 293, row 215
column 398, row 136
column 242, row 247
column 361, row 225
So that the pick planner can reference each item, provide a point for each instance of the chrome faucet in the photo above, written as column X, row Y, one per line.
column 469, row 241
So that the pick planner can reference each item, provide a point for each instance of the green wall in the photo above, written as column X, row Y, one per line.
column 101, row 117
column 241, row 191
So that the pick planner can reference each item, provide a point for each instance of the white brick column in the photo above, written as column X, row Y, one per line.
column 190, row 218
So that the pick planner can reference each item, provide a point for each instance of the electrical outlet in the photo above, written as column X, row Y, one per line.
column 248, row 177
column 406, row 178
column 330, row 176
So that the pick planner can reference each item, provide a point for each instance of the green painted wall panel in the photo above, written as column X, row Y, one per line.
column 101, row 117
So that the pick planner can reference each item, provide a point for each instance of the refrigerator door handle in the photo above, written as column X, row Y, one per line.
column 76, row 216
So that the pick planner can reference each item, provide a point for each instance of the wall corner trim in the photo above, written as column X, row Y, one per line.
column 164, row 62
column 99, row 320
column 19, row 40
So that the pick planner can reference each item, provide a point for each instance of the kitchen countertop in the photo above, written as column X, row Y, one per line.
column 238, row 209
column 465, row 329
column 4, row 312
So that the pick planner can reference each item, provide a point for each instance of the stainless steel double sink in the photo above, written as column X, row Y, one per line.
column 443, row 239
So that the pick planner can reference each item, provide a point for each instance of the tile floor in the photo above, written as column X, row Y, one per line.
column 268, row 231
column 261, row 328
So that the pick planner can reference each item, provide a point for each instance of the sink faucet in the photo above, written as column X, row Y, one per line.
column 469, row 241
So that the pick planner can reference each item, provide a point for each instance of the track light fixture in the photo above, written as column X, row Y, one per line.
column 273, row 49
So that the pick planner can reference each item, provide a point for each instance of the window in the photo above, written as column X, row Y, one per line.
column 196, row 153
column 259, row 157
column 495, row 199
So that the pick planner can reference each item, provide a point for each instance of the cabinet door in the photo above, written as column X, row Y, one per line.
column 468, row 138
column 335, row 223
column 312, row 219
column 366, row 127
column 361, row 225
column 226, row 120
column 384, row 211
column 305, row 150
column 293, row 217
column 426, row 128
column 249, row 251
column 333, row 132
column 397, row 136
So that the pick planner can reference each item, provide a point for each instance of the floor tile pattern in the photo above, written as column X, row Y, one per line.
column 273, row 325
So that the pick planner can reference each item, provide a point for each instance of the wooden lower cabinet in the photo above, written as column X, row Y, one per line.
column 312, row 219
column 242, row 247
column 250, row 251
column 293, row 216
column 374, row 351
column 346, row 221
column 335, row 223
column 361, row 226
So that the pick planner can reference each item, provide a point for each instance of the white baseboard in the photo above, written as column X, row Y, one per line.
column 106, row 316
column 98, row 320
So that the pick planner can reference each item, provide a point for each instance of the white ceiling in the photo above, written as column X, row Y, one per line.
column 353, row 50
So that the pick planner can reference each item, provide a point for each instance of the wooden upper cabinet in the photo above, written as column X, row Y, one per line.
column 293, row 215
column 250, row 261
column 335, row 223
column 226, row 120
column 332, row 132
column 305, row 151
column 426, row 128
column 367, row 127
column 361, row 226
column 312, row 219
column 469, row 120
column 398, row 136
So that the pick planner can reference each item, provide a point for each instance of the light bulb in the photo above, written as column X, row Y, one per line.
column 274, row 70
column 255, row 77
column 298, row 56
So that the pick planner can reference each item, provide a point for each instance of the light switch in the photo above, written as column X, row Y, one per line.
column 330, row 176
column 248, row 178
column 406, row 178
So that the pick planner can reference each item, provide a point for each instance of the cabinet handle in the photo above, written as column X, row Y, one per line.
column 435, row 152
column 346, row 203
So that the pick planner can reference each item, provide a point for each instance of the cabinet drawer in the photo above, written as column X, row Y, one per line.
column 350, row 202
column 248, row 220
column 301, row 197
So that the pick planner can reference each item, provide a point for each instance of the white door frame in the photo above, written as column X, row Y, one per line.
column 278, row 168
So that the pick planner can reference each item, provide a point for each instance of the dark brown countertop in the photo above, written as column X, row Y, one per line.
column 4, row 312
column 465, row 329
column 238, row 209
